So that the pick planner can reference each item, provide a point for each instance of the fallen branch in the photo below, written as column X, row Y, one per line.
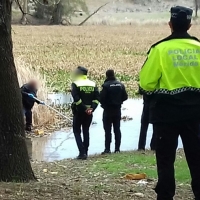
column 85, row 20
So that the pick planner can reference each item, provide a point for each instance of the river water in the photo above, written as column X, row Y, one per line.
column 61, row 144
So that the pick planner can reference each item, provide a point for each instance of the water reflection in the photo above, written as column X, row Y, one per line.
column 61, row 144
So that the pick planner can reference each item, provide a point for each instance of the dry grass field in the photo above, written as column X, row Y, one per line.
column 56, row 50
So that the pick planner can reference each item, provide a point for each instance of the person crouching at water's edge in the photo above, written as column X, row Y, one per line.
column 86, row 99
column 112, row 96
column 29, row 92
column 173, row 88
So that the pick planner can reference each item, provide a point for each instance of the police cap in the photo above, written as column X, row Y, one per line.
column 81, row 70
column 180, row 14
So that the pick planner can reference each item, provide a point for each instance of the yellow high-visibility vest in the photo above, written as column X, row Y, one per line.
column 172, row 67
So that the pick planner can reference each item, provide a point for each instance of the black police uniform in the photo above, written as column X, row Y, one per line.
column 144, row 127
column 28, row 103
column 85, row 95
column 112, row 96
column 174, row 101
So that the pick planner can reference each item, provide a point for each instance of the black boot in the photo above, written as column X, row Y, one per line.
column 117, row 151
column 28, row 128
column 141, row 149
column 81, row 157
column 106, row 152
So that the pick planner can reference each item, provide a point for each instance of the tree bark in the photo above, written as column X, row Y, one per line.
column 25, row 11
column 196, row 7
column 57, row 14
column 14, row 160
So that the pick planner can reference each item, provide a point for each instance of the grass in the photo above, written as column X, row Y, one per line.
column 121, row 164
column 51, row 53
column 98, row 178
column 55, row 51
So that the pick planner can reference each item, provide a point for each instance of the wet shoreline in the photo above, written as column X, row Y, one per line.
column 61, row 144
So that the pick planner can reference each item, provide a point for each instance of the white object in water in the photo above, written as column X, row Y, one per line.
column 59, row 98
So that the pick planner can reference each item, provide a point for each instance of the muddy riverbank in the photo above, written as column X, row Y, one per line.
column 61, row 144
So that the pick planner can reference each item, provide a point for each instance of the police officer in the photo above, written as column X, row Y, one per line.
column 112, row 96
column 170, row 78
column 144, row 127
column 86, row 99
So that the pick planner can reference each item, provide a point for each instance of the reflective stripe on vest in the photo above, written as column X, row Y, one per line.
column 85, row 85
column 84, row 82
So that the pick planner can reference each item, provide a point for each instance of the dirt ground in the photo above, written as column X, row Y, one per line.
column 82, row 180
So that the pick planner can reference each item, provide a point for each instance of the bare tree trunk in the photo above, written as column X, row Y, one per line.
column 25, row 11
column 57, row 14
column 196, row 7
column 14, row 160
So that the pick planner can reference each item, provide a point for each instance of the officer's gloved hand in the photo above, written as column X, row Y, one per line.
column 30, row 95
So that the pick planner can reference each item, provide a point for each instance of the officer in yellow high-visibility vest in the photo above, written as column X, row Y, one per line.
column 86, row 99
column 171, row 79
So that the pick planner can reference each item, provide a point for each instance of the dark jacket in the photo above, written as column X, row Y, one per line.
column 113, row 94
column 183, row 106
column 146, row 100
column 27, row 101
column 85, row 95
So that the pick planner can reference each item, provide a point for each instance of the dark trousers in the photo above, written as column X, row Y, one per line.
column 166, row 145
column 28, row 116
column 199, row 131
column 143, row 130
column 112, row 117
column 82, row 120
column 143, row 138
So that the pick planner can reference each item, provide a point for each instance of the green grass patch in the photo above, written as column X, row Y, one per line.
column 134, row 162
column 60, row 80
column 126, row 78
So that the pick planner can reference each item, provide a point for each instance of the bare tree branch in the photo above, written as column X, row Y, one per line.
column 21, row 9
column 46, row 5
column 83, row 22
column 35, row 1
